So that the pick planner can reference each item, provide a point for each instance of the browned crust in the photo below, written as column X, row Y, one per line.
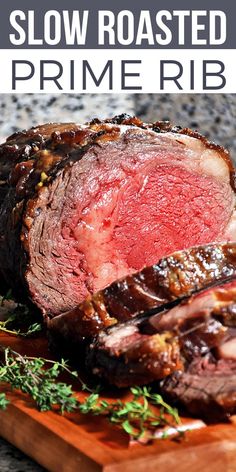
column 149, row 358
column 29, row 160
column 146, row 348
column 172, row 278
column 61, row 138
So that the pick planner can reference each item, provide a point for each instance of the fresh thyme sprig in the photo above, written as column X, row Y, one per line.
column 33, row 376
column 32, row 329
column 18, row 319
column 136, row 417
column 8, row 296
column 40, row 379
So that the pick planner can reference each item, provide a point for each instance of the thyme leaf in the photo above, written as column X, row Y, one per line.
column 18, row 319
column 39, row 378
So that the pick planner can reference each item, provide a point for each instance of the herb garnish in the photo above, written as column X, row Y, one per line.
column 18, row 319
column 40, row 379
column 33, row 376
column 136, row 417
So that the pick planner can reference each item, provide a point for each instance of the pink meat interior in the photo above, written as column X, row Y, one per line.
column 111, row 214
column 132, row 225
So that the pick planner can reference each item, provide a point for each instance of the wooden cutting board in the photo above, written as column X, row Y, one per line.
column 76, row 442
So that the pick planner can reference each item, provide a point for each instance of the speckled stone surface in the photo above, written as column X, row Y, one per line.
column 26, row 110
column 213, row 115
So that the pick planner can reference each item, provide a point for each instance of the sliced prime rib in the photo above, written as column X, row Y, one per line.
column 168, row 281
column 207, row 387
column 150, row 348
column 84, row 205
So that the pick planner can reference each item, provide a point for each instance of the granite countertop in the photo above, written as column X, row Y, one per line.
column 214, row 115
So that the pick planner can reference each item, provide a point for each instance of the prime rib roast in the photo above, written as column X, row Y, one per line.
column 122, row 233
column 86, row 205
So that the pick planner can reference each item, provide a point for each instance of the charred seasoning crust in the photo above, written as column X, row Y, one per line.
column 170, row 280
column 151, row 347
column 148, row 358
column 49, row 147
column 30, row 160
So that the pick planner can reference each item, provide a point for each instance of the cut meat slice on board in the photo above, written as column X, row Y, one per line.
column 84, row 205
column 171, row 279
column 149, row 348
column 207, row 388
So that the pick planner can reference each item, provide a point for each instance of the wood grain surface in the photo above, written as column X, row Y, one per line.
column 75, row 442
